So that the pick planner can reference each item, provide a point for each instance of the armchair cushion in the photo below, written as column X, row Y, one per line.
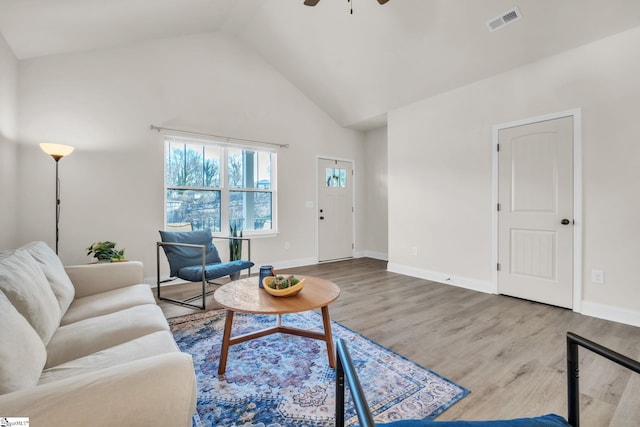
column 212, row 271
column 180, row 257
column 550, row 420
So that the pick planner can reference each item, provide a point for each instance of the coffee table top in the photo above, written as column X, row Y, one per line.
column 245, row 296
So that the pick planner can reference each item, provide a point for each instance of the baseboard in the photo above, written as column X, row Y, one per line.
column 292, row 263
column 447, row 279
column 372, row 254
column 608, row 312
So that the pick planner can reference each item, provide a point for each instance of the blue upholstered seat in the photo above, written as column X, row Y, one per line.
column 550, row 420
column 212, row 271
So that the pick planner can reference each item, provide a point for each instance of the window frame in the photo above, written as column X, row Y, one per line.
column 224, row 187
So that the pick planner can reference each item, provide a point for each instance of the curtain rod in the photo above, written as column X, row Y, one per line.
column 225, row 138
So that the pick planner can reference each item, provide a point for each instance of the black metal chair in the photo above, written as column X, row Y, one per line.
column 193, row 257
column 345, row 373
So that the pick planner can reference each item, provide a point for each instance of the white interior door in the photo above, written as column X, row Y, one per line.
column 535, row 218
column 335, row 210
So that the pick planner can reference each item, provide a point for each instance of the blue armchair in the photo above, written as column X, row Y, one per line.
column 193, row 257
column 346, row 375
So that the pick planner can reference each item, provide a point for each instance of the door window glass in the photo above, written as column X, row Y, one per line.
column 336, row 177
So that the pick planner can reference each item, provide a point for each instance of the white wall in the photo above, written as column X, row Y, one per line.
column 377, row 220
column 440, row 170
column 8, row 145
column 102, row 102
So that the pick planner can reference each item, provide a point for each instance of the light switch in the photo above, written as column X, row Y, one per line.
column 597, row 276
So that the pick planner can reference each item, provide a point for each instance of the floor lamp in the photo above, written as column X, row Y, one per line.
column 57, row 151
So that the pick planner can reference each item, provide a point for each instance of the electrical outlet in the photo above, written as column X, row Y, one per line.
column 414, row 251
column 597, row 276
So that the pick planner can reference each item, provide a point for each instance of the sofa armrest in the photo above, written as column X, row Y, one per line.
column 92, row 279
column 155, row 391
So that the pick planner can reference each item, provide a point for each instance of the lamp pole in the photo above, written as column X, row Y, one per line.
column 57, row 159
column 57, row 151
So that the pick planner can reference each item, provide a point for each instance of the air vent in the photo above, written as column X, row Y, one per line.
column 504, row 19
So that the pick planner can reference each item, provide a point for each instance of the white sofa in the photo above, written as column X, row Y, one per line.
column 87, row 346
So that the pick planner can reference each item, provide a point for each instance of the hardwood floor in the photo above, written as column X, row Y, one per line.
column 510, row 353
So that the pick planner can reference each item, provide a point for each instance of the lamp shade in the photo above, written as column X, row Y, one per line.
column 57, row 151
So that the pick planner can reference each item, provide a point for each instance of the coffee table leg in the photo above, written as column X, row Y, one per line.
column 226, row 337
column 328, row 336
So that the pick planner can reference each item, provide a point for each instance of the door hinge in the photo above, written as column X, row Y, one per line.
column 353, row 209
column 498, row 266
column 353, row 246
column 497, row 147
column 498, row 207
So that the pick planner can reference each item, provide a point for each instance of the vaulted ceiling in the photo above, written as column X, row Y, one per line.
column 356, row 67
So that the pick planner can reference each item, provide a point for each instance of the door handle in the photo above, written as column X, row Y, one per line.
column 321, row 217
column 565, row 221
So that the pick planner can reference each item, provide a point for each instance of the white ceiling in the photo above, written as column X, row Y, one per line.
column 355, row 67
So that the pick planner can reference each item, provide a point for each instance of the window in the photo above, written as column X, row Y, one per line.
column 212, row 186
column 336, row 177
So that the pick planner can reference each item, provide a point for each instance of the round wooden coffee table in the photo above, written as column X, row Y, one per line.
column 245, row 296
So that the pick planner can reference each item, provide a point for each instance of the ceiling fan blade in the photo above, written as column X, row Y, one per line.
column 312, row 2
column 382, row 1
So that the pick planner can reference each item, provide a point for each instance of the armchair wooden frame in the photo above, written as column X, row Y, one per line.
column 203, row 294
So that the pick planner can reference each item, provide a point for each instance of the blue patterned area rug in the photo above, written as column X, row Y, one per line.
column 284, row 380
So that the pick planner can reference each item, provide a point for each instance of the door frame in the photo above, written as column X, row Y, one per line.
column 576, row 114
column 353, row 202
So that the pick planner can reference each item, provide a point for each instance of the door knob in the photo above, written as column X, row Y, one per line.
column 565, row 221
column 321, row 217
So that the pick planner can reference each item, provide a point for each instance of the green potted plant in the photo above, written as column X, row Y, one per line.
column 105, row 252
column 235, row 247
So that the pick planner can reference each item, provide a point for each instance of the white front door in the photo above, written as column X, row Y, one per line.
column 535, row 218
column 335, row 210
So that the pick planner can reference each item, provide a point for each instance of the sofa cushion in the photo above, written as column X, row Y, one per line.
column 180, row 257
column 93, row 279
column 25, row 285
column 158, row 391
column 88, row 336
column 54, row 272
column 6, row 252
column 139, row 348
column 107, row 302
column 22, row 353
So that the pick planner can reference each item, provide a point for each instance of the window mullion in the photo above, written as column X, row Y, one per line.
column 224, row 194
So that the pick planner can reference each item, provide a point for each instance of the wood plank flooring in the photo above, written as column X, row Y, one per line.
column 510, row 353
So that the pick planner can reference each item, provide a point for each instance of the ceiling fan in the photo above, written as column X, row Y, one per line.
column 315, row 2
